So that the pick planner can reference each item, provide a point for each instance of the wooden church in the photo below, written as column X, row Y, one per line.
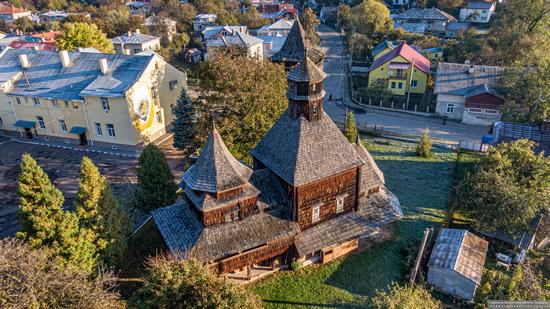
column 311, row 195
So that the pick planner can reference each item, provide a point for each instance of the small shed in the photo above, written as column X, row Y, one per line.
column 456, row 263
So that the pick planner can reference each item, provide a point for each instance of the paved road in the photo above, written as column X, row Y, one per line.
column 336, row 84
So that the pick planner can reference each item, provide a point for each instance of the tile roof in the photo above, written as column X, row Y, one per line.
column 186, row 236
column 306, row 71
column 425, row 14
column 452, row 77
column 49, row 79
column 301, row 152
column 461, row 251
column 375, row 211
column 10, row 9
column 407, row 52
column 296, row 47
column 216, row 170
column 134, row 38
column 32, row 45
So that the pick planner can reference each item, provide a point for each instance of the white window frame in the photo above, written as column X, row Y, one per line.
column 475, row 110
column 105, row 104
column 340, row 203
column 489, row 111
column 111, row 130
column 315, row 213
column 41, row 123
column 450, row 108
column 63, row 125
column 54, row 103
column 98, row 129
column 36, row 101
column 414, row 83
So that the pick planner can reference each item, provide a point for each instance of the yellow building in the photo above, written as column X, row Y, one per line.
column 106, row 100
column 399, row 69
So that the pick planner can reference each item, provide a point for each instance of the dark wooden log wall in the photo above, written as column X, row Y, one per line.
column 241, row 209
column 254, row 256
column 325, row 192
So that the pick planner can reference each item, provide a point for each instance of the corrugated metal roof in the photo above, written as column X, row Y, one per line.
column 49, row 79
column 457, row 76
column 134, row 38
column 425, row 14
column 461, row 251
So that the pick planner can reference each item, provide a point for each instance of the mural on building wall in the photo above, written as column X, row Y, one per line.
column 142, row 108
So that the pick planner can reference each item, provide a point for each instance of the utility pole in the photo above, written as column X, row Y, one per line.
column 420, row 254
column 410, row 81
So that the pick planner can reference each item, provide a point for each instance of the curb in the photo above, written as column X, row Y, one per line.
column 76, row 149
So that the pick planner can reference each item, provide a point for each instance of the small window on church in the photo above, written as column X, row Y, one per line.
column 228, row 217
column 314, row 110
column 302, row 89
column 340, row 203
column 315, row 213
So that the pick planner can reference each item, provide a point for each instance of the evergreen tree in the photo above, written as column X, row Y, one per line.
column 156, row 186
column 44, row 222
column 350, row 128
column 424, row 146
column 116, row 226
column 185, row 123
column 89, row 193
column 100, row 213
column 40, row 204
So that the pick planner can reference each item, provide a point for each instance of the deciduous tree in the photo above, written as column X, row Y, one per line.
column 244, row 96
column 74, row 35
column 310, row 22
column 188, row 284
column 369, row 17
column 509, row 186
column 405, row 297
column 31, row 278
column 156, row 186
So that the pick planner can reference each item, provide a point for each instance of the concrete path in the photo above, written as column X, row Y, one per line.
column 336, row 67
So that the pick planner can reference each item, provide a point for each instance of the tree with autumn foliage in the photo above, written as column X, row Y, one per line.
column 310, row 22
column 244, row 96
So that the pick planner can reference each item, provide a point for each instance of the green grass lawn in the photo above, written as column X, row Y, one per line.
column 423, row 187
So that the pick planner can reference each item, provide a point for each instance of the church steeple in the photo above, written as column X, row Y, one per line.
column 305, row 90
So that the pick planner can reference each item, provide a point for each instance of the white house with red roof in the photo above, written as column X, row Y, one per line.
column 400, row 70
column 10, row 13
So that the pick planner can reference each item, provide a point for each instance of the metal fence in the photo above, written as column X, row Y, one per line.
column 474, row 146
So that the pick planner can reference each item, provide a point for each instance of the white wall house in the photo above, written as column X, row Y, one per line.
column 466, row 93
column 202, row 21
column 133, row 43
column 477, row 11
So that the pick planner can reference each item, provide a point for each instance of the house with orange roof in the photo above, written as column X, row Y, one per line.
column 47, row 36
column 399, row 70
column 10, row 13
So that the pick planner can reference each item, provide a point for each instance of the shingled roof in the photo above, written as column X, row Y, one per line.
column 297, row 46
column 301, row 152
column 374, row 211
column 461, row 251
column 306, row 71
column 185, row 236
column 371, row 175
column 216, row 170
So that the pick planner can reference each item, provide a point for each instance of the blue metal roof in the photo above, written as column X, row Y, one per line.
column 380, row 47
column 47, row 78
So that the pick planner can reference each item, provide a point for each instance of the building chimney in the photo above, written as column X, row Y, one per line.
column 103, row 65
column 65, row 60
column 129, row 33
column 126, row 51
column 138, row 31
column 24, row 59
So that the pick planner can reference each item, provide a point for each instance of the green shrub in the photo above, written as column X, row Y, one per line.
column 295, row 265
column 424, row 146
